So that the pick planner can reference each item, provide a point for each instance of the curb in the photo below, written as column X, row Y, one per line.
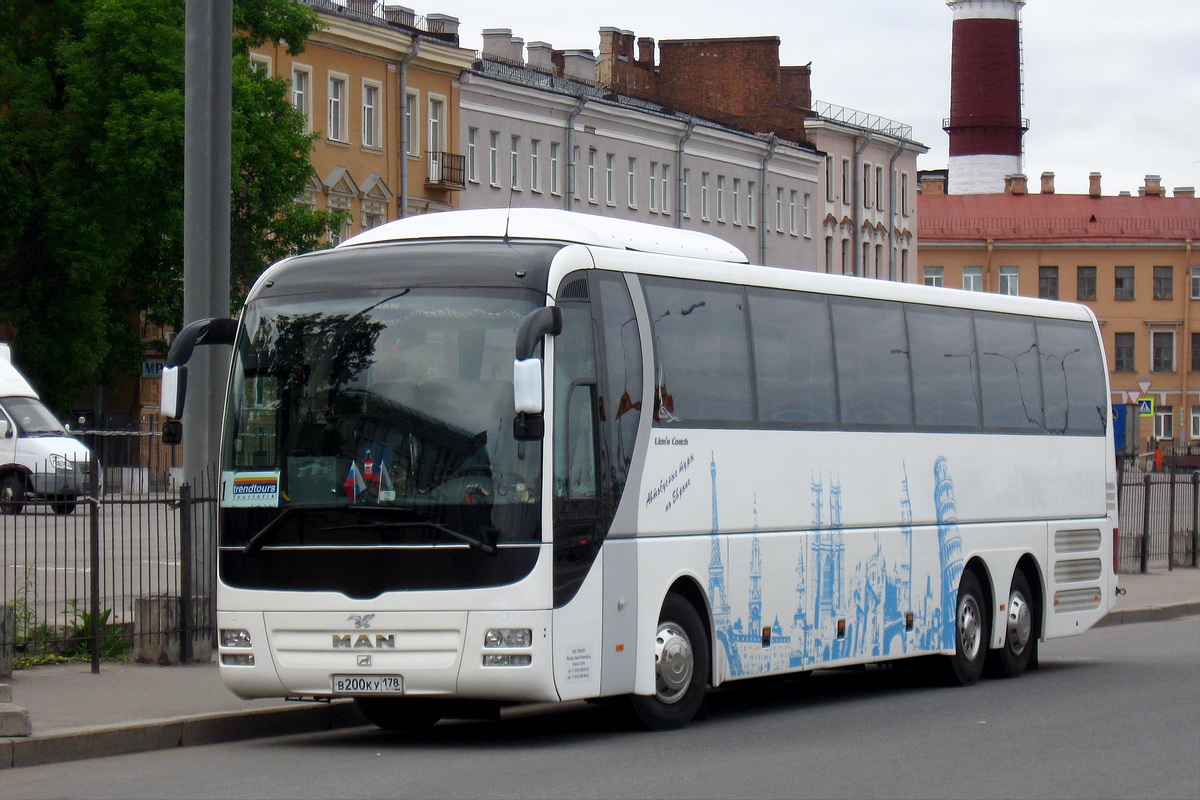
column 136, row 737
column 189, row 731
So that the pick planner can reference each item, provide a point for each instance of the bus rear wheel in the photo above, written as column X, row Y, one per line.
column 680, row 669
column 402, row 715
column 970, row 632
column 1020, row 633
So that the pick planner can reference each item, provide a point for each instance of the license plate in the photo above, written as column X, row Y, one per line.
column 368, row 684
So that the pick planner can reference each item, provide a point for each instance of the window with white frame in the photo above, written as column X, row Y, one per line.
column 751, row 204
column 807, row 215
column 336, row 118
column 866, row 185
column 632, row 183
column 535, row 167
column 573, row 177
column 793, row 221
column 653, row 187
column 933, row 276
column 736, row 200
column 704, row 196
column 412, row 143
column 665, row 205
column 904, row 194
column 973, row 279
column 610, row 179
column 683, row 193
column 779, row 209
column 829, row 178
column 1196, row 282
column 472, row 155
column 591, row 175
column 1164, row 422
column 879, row 188
column 555, row 187
column 514, row 162
column 372, row 94
column 845, row 181
column 494, row 158
column 302, row 93
column 435, row 145
column 1009, row 281
column 1195, row 426
column 260, row 64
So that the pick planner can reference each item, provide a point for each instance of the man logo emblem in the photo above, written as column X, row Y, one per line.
column 361, row 620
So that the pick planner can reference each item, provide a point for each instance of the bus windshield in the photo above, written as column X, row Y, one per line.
column 384, row 417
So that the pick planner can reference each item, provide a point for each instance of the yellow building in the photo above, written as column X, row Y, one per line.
column 1132, row 259
column 378, row 82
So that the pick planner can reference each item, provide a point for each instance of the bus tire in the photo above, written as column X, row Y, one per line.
column 402, row 715
column 1020, row 633
column 970, row 632
column 681, row 655
column 12, row 492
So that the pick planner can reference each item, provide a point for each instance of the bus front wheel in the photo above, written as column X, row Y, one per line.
column 403, row 715
column 970, row 632
column 680, row 668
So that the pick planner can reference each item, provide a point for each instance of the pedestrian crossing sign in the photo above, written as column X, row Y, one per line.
column 1145, row 406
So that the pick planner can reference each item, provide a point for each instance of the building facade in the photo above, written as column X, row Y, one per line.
column 1132, row 259
column 380, row 86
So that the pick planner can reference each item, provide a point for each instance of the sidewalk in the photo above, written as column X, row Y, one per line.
column 134, row 707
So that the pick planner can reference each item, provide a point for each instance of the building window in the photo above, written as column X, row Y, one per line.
column 866, row 260
column 1010, row 281
column 904, row 194
column 494, row 158
column 472, row 154
column 845, row 181
column 1123, row 288
column 737, row 199
column 336, row 125
column 750, row 203
column 683, row 192
column 1196, row 352
column 866, row 185
column 554, row 185
column 829, row 179
column 535, row 166
column 302, row 94
column 632, row 188
column 666, row 183
column 879, row 188
column 720, row 198
column 573, row 178
column 779, row 209
column 514, row 164
column 435, row 142
column 1164, row 280
column 411, row 144
column 973, row 279
column 904, row 265
column 370, row 115
column 1085, row 283
column 879, row 261
column 793, row 216
column 704, row 196
column 829, row 254
column 591, row 176
column 1195, row 422
column 1196, row 283
column 1162, row 353
column 610, row 189
column 653, row 187
column 807, row 215
column 1048, row 283
column 1164, row 423
column 1123, row 352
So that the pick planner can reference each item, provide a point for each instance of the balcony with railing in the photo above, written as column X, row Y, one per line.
column 446, row 171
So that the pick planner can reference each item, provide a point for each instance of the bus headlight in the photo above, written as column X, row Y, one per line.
column 235, row 637
column 508, row 637
column 507, row 659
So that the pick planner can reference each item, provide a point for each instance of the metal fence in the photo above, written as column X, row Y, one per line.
column 1160, row 520
column 130, row 571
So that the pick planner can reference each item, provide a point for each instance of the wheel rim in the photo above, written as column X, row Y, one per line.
column 673, row 663
column 970, row 631
column 1020, row 623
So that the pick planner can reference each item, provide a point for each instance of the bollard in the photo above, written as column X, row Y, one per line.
column 1145, row 550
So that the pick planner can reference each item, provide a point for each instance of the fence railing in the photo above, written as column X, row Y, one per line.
column 130, row 570
column 1160, row 520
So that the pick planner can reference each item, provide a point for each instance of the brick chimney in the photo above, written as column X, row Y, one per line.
column 1015, row 184
column 1047, row 183
column 1094, row 184
column 645, row 51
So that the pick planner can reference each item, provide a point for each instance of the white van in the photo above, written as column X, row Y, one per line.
column 39, row 458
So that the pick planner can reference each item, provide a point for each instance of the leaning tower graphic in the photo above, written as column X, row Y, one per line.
column 949, row 542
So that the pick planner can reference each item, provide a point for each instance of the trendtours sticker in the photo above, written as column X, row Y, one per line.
column 250, row 489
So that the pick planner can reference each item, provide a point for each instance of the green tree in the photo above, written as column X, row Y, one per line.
column 91, row 158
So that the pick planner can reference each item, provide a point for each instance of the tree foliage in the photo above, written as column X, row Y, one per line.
column 91, row 158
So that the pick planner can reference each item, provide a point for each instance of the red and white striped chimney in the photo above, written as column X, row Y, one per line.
column 985, row 124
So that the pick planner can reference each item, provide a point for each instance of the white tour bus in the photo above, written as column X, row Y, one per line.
column 695, row 471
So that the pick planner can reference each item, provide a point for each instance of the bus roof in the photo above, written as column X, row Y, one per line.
column 544, row 224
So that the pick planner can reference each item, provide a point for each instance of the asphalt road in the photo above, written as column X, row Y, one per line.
column 1113, row 713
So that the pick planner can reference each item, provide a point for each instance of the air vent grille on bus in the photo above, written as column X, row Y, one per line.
column 575, row 290
column 1077, row 600
column 1077, row 570
column 1082, row 541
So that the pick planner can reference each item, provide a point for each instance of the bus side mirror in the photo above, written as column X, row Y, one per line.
column 173, row 389
column 528, row 424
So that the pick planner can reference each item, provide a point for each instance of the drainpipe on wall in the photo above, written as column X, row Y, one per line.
column 762, row 200
column 416, row 47
column 571, row 166
column 987, row 267
column 679, row 199
column 892, row 210
column 856, row 216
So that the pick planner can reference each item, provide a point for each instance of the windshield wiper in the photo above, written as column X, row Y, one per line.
column 470, row 541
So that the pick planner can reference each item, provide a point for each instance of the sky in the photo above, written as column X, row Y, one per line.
column 1110, row 86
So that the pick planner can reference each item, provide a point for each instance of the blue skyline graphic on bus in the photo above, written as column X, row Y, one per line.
column 873, row 603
